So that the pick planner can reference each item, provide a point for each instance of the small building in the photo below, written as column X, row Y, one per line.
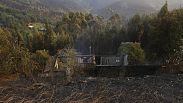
column 103, row 60
column 112, row 60
column 85, row 59
column 63, row 66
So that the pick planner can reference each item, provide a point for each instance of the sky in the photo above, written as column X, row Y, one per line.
column 157, row 4
column 172, row 3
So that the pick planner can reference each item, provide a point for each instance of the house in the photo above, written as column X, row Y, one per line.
column 85, row 59
column 112, row 60
column 62, row 65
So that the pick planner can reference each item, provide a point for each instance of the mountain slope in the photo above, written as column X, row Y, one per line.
column 126, row 8
column 39, row 9
column 52, row 5
column 65, row 5
column 104, row 8
column 94, row 4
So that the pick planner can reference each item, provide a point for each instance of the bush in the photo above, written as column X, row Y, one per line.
column 14, row 58
column 134, row 51
column 6, row 50
column 41, row 57
column 70, row 60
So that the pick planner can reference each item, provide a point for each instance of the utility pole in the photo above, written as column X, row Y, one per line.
column 90, row 50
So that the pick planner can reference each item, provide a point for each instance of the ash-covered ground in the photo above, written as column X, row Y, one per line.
column 148, row 89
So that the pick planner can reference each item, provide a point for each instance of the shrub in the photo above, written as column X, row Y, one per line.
column 41, row 57
column 134, row 51
column 14, row 58
column 70, row 60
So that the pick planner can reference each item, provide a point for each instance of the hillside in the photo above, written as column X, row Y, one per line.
column 23, row 12
column 92, row 5
column 65, row 5
column 23, row 5
column 106, row 8
column 62, row 5
column 126, row 8
column 19, row 13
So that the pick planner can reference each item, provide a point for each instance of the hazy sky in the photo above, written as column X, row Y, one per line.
column 172, row 3
column 154, row 3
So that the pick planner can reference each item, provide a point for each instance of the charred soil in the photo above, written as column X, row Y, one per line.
column 147, row 89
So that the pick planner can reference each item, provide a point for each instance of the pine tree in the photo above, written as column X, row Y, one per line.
column 164, row 10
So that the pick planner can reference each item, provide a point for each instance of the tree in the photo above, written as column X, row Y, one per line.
column 40, row 57
column 164, row 10
column 115, row 22
column 49, row 39
column 14, row 58
column 147, row 19
column 164, row 39
column 135, row 29
column 6, row 45
column 135, row 53
column 37, row 42
column 63, row 40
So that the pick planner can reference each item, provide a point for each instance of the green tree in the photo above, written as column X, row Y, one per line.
column 63, row 40
column 6, row 45
column 164, row 10
column 134, row 51
column 164, row 39
column 37, row 42
column 40, row 57
column 135, row 29
column 49, row 39
column 14, row 58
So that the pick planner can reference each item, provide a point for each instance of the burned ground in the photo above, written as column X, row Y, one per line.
column 148, row 89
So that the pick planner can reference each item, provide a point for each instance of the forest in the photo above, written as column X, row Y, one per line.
column 148, row 39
